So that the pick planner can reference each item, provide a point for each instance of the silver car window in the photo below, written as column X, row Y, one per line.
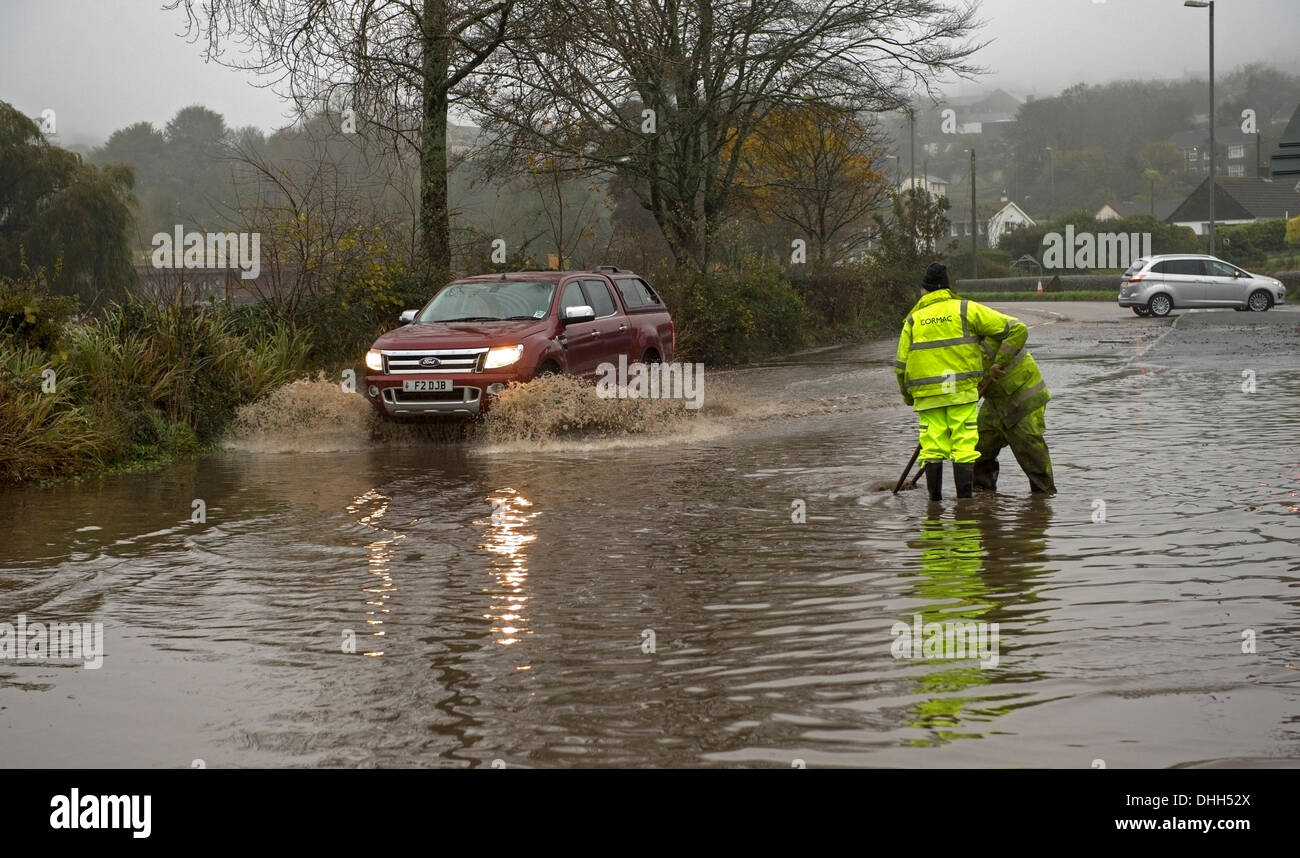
column 1191, row 267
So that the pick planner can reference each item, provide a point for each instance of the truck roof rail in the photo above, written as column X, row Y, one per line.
column 600, row 268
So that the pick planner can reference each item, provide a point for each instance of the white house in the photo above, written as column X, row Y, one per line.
column 1010, row 216
column 933, row 185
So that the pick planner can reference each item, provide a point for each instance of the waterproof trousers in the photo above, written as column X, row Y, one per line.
column 1026, row 442
column 949, row 432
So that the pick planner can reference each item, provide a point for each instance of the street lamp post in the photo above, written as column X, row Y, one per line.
column 1202, row 4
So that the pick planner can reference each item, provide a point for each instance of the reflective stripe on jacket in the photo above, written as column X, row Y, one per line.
column 1021, row 390
column 939, row 360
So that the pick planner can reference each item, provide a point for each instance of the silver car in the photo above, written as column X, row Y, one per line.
column 1154, row 285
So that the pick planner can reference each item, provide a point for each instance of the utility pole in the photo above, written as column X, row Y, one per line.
column 1213, row 154
column 1201, row 4
column 974, row 224
column 911, row 116
column 1051, row 173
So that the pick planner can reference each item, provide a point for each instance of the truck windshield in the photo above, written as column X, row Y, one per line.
column 476, row 301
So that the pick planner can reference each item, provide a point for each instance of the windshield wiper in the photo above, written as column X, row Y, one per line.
column 525, row 318
column 468, row 319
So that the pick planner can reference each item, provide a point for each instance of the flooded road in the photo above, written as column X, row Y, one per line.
column 662, row 601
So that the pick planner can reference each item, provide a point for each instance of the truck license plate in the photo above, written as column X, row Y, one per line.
column 426, row 385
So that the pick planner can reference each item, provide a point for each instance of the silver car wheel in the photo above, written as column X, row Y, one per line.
column 1259, row 301
column 1160, row 305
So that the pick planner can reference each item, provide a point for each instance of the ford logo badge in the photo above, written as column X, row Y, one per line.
column 429, row 361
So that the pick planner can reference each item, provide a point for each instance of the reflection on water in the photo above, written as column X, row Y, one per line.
column 507, row 537
column 974, row 572
column 374, row 506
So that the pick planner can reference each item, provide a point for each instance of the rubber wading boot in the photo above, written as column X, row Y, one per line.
column 963, row 477
column 934, row 479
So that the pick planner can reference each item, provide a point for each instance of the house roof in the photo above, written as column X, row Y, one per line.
column 996, row 106
column 1286, row 157
column 984, row 211
column 1238, row 198
column 1129, row 208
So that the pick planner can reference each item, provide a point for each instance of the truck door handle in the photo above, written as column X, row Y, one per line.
column 622, row 328
column 595, row 333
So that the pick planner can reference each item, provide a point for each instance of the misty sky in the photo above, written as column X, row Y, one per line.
column 103, row 64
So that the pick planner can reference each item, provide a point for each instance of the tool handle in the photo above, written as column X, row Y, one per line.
column 910, row 462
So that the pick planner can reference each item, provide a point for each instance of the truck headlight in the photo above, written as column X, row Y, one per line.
column 374, row 361
column 502, row 356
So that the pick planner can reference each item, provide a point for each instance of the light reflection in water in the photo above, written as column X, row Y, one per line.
column 508, row 537
column 381, row 556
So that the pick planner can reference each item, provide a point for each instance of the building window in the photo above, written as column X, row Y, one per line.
column 1236, row 169
column 1236, row 151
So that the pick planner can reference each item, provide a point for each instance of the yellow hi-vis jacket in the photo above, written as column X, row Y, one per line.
column 1021, row 390
column 939, row 361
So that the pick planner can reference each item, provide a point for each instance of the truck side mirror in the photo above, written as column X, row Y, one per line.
column 408, row 316
column 580, row 313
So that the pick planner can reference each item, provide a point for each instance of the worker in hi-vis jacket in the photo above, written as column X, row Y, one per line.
column 939, row 364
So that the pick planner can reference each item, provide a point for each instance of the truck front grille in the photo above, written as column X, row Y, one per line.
column 449, row 360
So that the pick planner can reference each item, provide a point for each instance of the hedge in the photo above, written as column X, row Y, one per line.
column 1069, row 283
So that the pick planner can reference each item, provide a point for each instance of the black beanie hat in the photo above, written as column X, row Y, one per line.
column 936, row 277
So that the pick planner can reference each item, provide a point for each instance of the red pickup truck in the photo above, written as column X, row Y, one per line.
column 478, row 334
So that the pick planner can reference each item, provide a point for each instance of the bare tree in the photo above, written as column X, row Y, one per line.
column 569, row 208
column 395, row 64
column 321, row 224
column 667, row 92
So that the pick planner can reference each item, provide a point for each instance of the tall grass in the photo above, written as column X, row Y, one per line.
column 139, row 381
column 43, row 433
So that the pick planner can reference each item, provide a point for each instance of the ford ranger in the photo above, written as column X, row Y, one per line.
column 480, row 333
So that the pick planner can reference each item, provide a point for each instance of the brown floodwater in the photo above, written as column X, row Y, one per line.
column 715, row 589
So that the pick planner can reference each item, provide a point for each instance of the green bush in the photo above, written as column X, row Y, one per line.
column 1292, row 235
column 1068, row 283
column 31, row 314
column 1165, row 237
column 993, row 262
column 1248, row 243
column 141, row 382
column 856, row 298
column 342, row 325
column 186, row 364
column 735, row 316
